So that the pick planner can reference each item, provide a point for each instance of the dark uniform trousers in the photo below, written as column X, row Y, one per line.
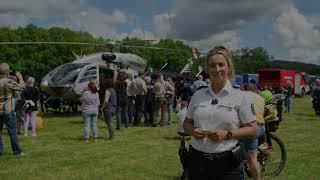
column 139, row 109
column 131, row 109
column 215, row 166
column 316, row 103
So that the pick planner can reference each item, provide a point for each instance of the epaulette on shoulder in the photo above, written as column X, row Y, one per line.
column 202, row 87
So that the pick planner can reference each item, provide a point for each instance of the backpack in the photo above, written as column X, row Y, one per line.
column 271, row 117
column 271, row 112
column 133, row 87
column 28, row 106
column 150, row 96
column 122, row 97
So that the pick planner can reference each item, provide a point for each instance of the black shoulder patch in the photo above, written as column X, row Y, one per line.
column 253, row 109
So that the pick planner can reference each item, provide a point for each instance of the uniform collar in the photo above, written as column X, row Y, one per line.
column 226, row 89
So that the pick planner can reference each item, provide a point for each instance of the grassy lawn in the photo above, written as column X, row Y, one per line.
column 141, row 153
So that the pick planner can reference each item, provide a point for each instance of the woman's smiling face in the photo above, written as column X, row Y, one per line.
column 218, row 68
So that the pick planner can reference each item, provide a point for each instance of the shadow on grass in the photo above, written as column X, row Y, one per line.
column 79, row 138
column 71, row 138
column 59, row 114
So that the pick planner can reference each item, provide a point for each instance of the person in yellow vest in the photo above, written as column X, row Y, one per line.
column 266, row 94
column 251, row 145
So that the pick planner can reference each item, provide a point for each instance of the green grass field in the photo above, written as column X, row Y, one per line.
column 142, row 153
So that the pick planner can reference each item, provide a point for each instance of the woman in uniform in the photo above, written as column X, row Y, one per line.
column 218, row 117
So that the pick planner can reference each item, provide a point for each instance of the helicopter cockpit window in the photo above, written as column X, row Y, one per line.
column 68, row 73
column 91, row 71
column 91, row 78
column 90, row 74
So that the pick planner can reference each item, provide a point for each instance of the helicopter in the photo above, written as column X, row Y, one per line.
column 67, row 81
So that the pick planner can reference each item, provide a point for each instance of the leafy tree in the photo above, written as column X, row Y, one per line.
column 38, row 59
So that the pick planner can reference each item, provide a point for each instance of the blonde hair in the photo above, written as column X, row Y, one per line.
column 226, row 54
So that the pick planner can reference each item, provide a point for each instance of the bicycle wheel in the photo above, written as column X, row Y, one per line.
column 273, row 159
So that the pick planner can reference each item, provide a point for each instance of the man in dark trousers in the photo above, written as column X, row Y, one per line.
column 139, row 87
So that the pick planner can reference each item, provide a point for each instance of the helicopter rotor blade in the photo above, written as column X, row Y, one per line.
column 156, row 48
column 113, row 43
column 68, row 43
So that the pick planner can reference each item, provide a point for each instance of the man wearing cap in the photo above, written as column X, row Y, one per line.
column 7, row 112
column 199, row 83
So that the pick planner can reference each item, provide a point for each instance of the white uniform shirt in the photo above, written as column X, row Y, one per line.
column 128, row 85
column 181, row 117
column 139, row 87
column 233, row 109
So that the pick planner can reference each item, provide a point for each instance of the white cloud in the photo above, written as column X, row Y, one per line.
column 13, row 20
column 140, row 34
column 201, row 19
column 96, row 22
column 162, row 24
column 77, row 15
column 314, row 19
column 163, row 28
column 119, row 17
column 229, row 39
column 299, row 36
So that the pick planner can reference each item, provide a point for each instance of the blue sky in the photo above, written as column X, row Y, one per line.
column 288, row 29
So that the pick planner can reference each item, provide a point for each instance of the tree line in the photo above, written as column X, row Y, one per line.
column 38, row 59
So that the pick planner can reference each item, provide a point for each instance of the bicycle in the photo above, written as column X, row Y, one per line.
column 273, row 158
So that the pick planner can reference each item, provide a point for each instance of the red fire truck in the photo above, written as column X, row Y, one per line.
column 277, row 78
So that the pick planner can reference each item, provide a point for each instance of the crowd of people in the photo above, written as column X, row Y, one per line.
column 155, row 97
column 217, row 116
column 150, row 98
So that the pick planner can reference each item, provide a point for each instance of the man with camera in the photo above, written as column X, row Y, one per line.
column 8, row 87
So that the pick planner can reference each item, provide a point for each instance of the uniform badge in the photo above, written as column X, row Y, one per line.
column 253, row 109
